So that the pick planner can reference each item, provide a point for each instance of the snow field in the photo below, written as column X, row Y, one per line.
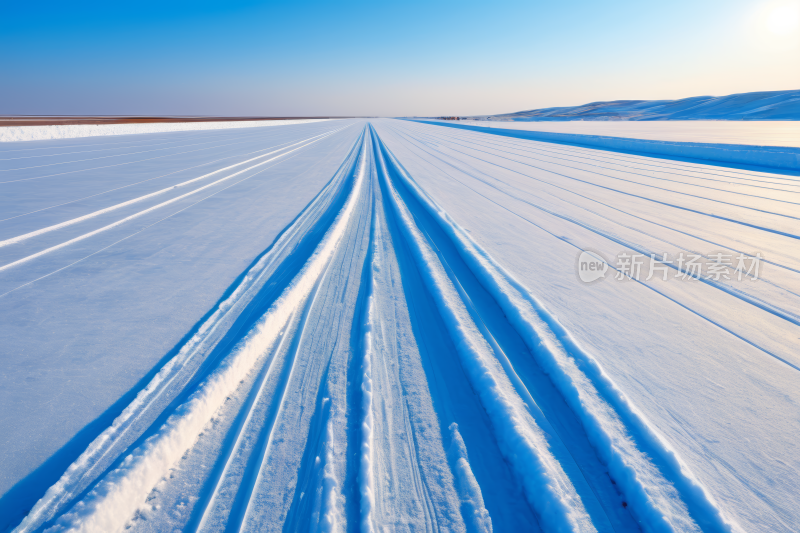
column 752, row 133
column 74, row 480
column 662, row 139
column 559, row 354
column 520, row 438
column 489, row 170
column 285, row 151
column 138, row 214
column 73, row 131
column 413, row 351
column 108, row 507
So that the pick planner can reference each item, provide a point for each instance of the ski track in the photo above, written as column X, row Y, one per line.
column 738, row 293
column 377, row 369
column 205, row 163
column 103, row 211
column 213, row 143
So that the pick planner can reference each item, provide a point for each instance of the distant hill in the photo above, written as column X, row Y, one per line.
column 773, row 105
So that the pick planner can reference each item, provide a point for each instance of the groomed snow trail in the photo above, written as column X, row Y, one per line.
column 400, row 358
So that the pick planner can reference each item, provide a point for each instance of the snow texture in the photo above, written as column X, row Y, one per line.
column 74, row 131
column 379, row 325
column 750, row 133
column 777, row 157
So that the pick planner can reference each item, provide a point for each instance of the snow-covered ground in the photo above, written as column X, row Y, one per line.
column 382, row 325
column 74, row 131
column 661, row 139
column 756, row 133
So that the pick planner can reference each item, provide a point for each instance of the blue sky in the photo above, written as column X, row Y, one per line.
column 385, row 58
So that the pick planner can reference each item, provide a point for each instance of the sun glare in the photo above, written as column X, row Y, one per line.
column 784, row 19
column 775, row 25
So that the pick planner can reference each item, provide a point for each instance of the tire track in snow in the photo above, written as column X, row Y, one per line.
column 399, row 487
column 219, row 495
column 411, row 483
column 176, row 372
column 322, row 486
column 366, row 474
column 131, row 235
column 246, row 522
column 241, row 431
column 538, row 148
column 95, row 158
column 468, row 486
column 305, row 446
column 140, row 213
column 588, row 493
column 638, row 184
column 614, row 425
column 136, row 183
column 613, row 208
column 667, row 204
column 36, row 233
column 107, row 507
column 676, row 159
column 601, row 499
column 549, row 490
column 742, row 295
column 299, row 368
column 652, row 288
column 120, row 164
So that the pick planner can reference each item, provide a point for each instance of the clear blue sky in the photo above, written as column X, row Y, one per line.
column 385, row 58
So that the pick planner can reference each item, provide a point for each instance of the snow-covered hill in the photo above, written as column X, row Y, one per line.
column 769, row 105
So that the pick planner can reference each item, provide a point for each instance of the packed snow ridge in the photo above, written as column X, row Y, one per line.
column 769, row 105
column 383, row 325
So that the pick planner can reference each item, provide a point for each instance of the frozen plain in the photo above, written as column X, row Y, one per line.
column 757, row 133
column 68, row 131
column 370, row 325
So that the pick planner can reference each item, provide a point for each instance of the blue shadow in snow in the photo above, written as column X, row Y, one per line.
column 20, row 499
column 773, row 159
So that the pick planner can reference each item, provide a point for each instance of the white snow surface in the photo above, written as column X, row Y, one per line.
column 379, row 325
column 756, row 133
column 74, row 131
